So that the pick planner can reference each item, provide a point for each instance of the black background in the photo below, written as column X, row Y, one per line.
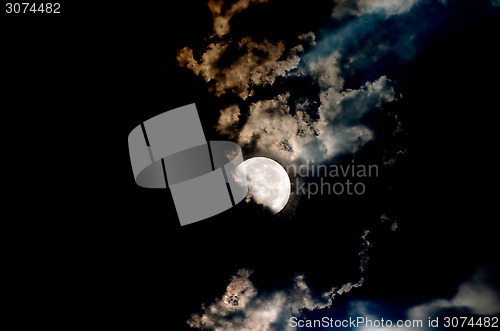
column 89, row 241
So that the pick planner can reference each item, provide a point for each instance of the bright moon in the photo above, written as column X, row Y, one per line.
column 268, row 182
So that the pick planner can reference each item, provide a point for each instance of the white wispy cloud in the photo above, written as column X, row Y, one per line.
column 475, row 296
column 362, row 7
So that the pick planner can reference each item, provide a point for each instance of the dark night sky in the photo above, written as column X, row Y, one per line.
column 76, row 85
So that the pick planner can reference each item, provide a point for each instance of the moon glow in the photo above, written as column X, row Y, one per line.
column 268, row 183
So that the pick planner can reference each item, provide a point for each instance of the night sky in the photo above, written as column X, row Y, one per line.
column 414, row 86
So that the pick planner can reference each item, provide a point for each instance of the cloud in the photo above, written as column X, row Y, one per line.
column 252, row 63
column 263, row 312
column 294, row 128
column 340, row 113
column 228, row 119
column 475, row 296
column 284, row 127
column 242, row 307
column 271, row 127
column 288, row 133
column 291, row 127
column 362, row 7
column 222, row 17
column 256, row 64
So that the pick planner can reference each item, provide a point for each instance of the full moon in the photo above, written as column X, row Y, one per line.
column 268, row 182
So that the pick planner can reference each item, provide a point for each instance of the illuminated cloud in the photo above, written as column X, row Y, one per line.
column 242, row 307
column 222, row 17
column 228, row 119
column 256, row 64
column 475, row 296
column 362, row 7
column 278, row 127
column 272, row 128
